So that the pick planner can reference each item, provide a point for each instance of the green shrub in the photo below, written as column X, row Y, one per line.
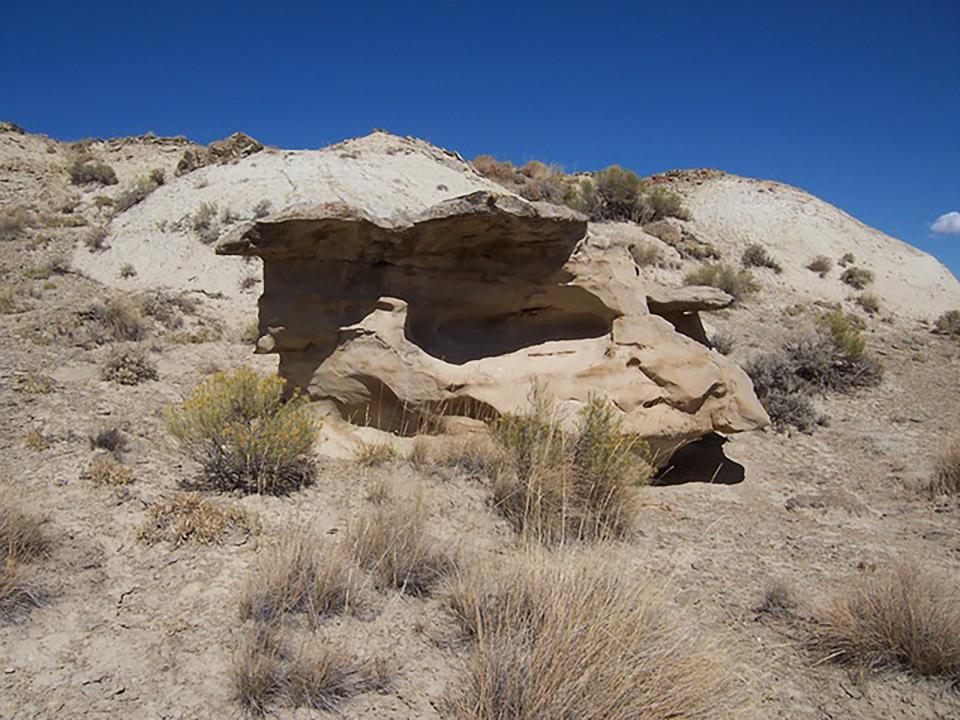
column 757, row 256
column 83, row 171
column 659, row 203
column 846, row 259
column 619, row 192
column 821, row 265
column 736, row 282
column 857, row 278
column 786, row 379
column 948, row 323
column 244, row 435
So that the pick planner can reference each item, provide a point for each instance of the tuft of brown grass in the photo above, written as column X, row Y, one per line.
column 317, row 674
column 117, row 318
column 905, row 617
column 567, row 636
column 870, row 302
column 392, row 541
column 190, row 518
column 35, row 440
column 560, row 486
column 21, row 541
column 777, row 600
column 946, row 471
column 301, row 574
column 105, row 470
column 856, row 277
column 739, row 283
column 36, row 384
column 374, row 454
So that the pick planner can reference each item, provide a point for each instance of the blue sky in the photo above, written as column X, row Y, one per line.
column 856, row 102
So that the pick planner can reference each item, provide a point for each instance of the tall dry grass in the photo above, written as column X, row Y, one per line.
column 566, row 636
column 22, row 541
column 559, row 485
column 905, row 616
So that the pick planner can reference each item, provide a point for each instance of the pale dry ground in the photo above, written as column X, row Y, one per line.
column 135, row 630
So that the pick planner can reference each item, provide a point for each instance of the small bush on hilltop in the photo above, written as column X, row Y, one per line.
column 857, row 278
column 736, row 282
column 757, row 256
column 615, row 193
column 948, row 323
column 559, row 486
column 904, row 617
column 821, row 265
column 84, row 170
column 244, row 435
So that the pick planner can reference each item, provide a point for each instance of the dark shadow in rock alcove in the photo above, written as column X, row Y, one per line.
column 701, row 461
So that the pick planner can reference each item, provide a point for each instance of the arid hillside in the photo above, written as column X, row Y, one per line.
column 181, row 536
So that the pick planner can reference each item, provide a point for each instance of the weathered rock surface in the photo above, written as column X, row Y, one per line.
column 236, row 146
column 459, row 309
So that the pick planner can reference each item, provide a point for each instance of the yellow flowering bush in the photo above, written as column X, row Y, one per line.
column 245, row 435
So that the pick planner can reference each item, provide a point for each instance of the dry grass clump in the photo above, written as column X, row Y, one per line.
column 392, row 541
column 568, row 637
column 188, row 517
column 904, row 617
column 106, row 470
column 245, row 435
column 11, row 301
column 261, row 209
column 723, row 343
column 301, row 574
column 375, row 454
column 34, row 383
column 534, row 180
column 110, row 439
column 736, row 282
column 946, row 472
column 117, row 318
column 646, row 253
column 138, row 192
column 870, row 302
column 948, row 323
column 21, row 541
column 127, row 271
column 821, row 265
column 559, row 486
column 756, row 255
column 85, row 170
column 777, row 600
column 204, row 222
column 14, row 222
column 846, row 259
column 35, row 440
column 318, row 674
column 54, row 265
column 857, row 278
column 96, row 239
column 128, row 366
column 167, row 308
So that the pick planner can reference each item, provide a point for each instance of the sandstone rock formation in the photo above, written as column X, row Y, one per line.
column 238, row 145
column 460, row 308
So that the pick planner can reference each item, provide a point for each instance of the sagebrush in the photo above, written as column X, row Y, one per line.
column 739, row 283
column 245, row 434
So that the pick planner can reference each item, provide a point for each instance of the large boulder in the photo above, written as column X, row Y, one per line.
column 461, row 308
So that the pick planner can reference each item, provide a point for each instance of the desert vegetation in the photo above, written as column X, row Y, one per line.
column 189, row 517
column 566, row 637
column 821, row 264
column 834, row 359
column 948, row 323
column 946, row 471
column 615, row 193
column 129, row 366
column 558, row 485
column 245, row 435
column 22, row 542
column 904, row 616
column 739, row 283
column 85, row 170
column 756, row 255
column 857, row 277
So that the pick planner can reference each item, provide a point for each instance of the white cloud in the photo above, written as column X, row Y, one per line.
column 947, row 224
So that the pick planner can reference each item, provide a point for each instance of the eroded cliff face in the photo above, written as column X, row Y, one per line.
column 461, row 308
